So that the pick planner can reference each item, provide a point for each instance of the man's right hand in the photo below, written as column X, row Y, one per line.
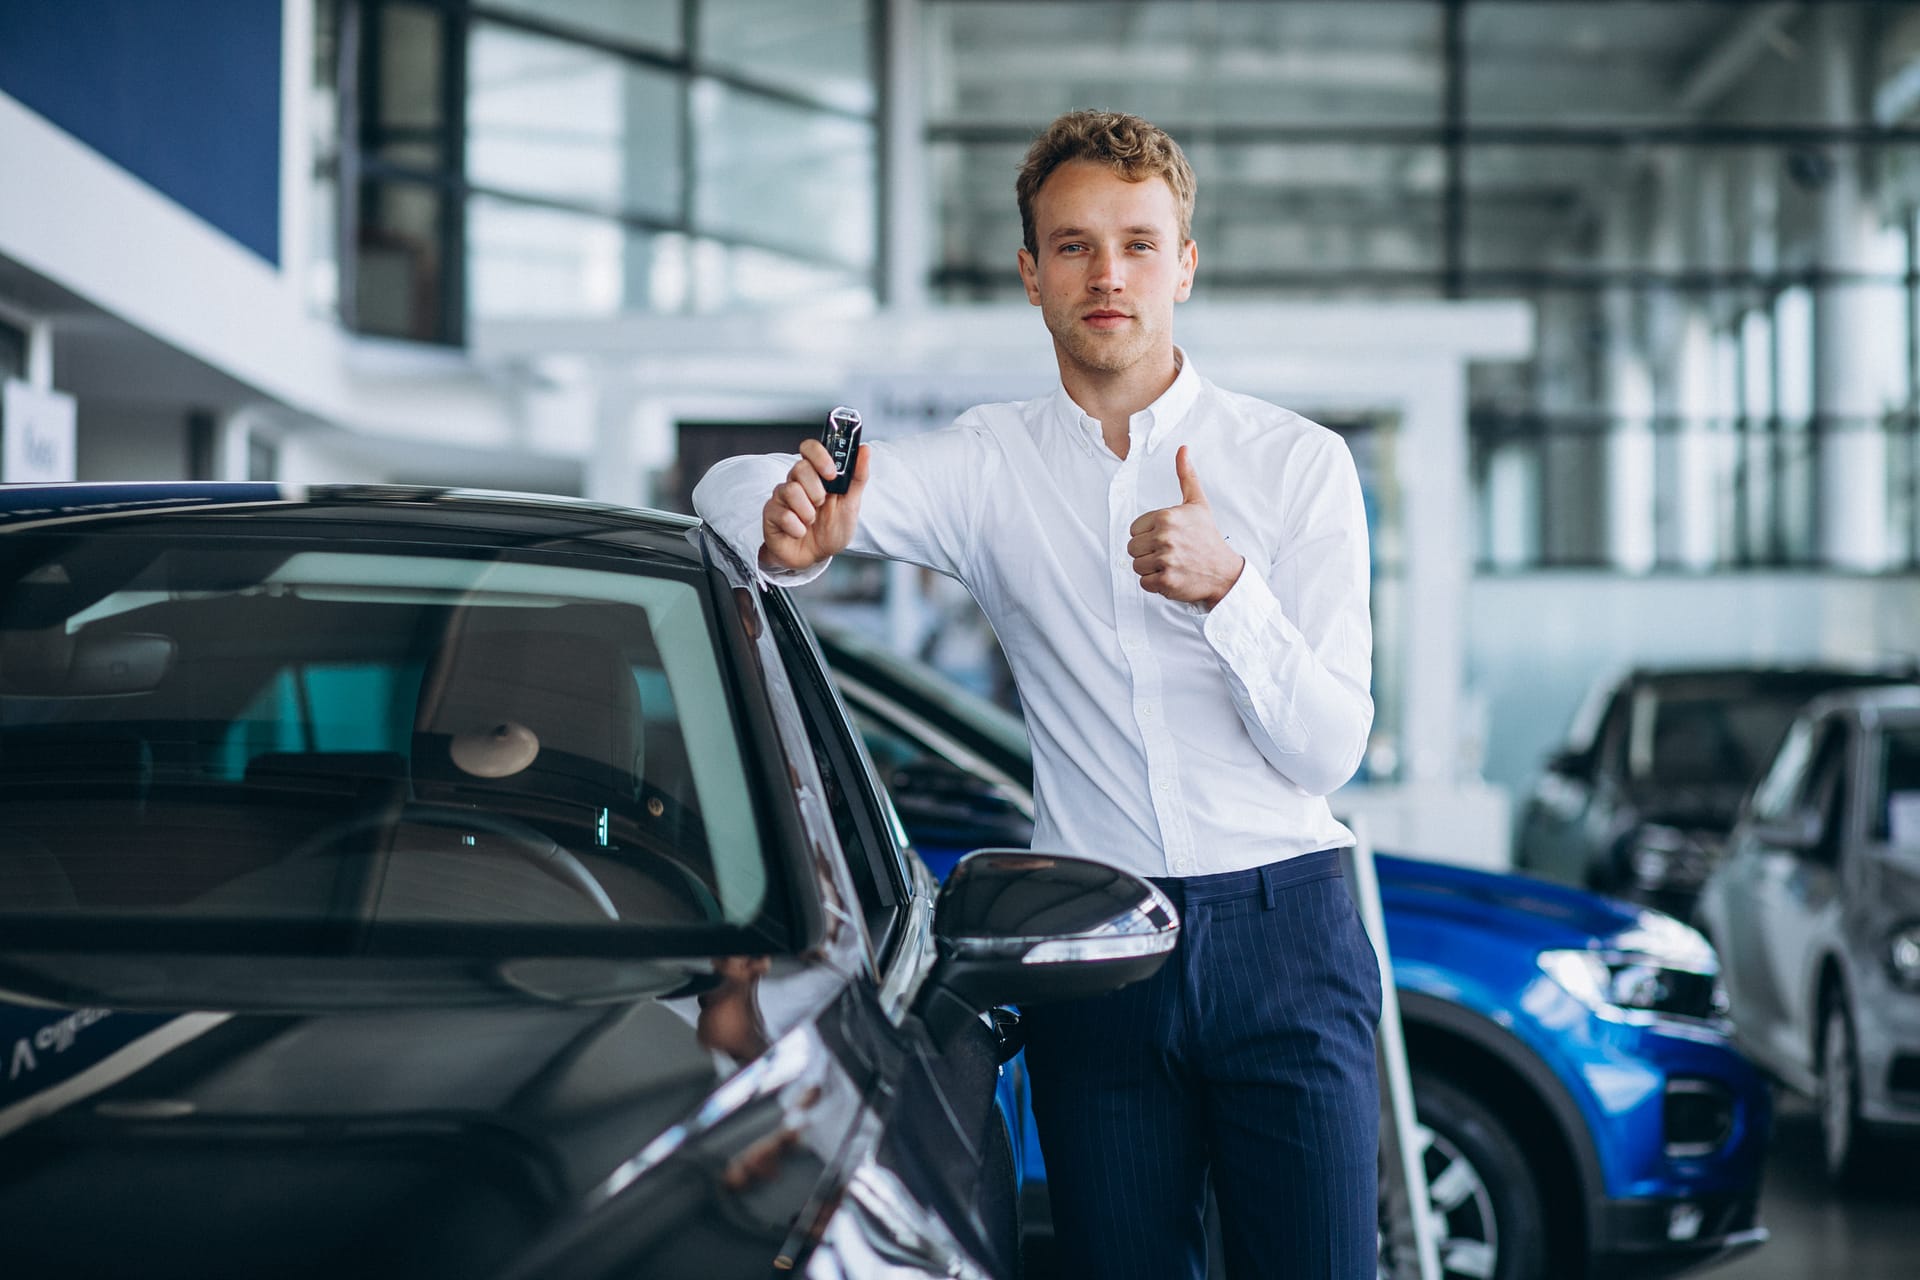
column 802, row 524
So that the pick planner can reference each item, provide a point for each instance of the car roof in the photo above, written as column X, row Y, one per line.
column 1880, row 700
column 372, row 509
column 1776, row 674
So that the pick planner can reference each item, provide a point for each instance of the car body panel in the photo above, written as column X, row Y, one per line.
column 1798, row 922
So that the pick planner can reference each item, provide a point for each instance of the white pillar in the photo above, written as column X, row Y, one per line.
column 40, row 355
column 612, row 474
column 1629, row 395
column 1513, row 499
column 906, row 230
column 1852, row 456
column 232, row 444
column 1434, row 484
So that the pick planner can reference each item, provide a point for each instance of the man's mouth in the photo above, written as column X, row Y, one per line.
column 1107, row 319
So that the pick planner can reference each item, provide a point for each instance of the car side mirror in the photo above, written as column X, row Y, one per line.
column 1015, row 927
column 1798, row 829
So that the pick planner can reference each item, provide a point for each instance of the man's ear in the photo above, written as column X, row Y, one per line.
column 1189, row 263
column 1030, row 276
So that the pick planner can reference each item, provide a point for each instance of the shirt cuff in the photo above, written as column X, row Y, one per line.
column 1239, row 624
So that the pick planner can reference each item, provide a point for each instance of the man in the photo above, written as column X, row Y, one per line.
column 1193, row 658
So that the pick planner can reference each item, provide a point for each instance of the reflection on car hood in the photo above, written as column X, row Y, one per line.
column 424, row 1141
column 1517, row 908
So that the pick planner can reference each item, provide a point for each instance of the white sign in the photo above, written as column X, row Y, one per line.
column 37, row 435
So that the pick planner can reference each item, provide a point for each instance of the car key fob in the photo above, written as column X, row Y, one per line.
column 841, row 435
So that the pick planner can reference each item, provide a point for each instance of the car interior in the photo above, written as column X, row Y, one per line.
column 371, row 746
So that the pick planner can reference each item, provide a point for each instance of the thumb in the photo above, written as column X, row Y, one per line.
column 1190, row 490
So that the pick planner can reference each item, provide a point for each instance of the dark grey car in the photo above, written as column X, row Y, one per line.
column 402, row 882
column 1816, row 914
column 1638, row 802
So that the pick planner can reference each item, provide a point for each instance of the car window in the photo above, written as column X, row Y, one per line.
column 1785, row 780
column 863, row 817
column 401, row 735
column 1828, row 781
column 1896, row 802
column 1711, row 740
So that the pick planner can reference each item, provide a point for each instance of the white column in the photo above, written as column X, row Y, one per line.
column 611, row 474
column 906, row 231
column 1513, row 497
column 1852, row 447
column 1434, row 483
column 40, row 355
column 1629, row 397
column 232, row 439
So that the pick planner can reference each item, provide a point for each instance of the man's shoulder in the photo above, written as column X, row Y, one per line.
column 1251, row 421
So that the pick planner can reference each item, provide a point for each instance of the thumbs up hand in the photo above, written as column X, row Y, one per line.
column 1178, row 551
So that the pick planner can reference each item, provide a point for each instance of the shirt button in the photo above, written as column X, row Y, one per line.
column 1183, row 864
column 1164, row 785
column 1146, row 708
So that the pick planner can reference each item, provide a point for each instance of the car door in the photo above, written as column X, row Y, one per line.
column 945, row 1139
column 1732, row 906
column 1797, row 896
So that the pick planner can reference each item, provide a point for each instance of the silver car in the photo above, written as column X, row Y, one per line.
column 1815, row 911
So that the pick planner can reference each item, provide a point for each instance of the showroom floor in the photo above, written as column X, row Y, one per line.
column 1820, row 1233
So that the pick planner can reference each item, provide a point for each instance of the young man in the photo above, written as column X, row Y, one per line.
column 1178, row 576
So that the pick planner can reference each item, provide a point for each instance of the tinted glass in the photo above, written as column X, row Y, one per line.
column 318, row 732
column 1896, row 811
column 1718, row 732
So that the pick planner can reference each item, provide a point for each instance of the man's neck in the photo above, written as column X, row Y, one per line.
column 1114, row 397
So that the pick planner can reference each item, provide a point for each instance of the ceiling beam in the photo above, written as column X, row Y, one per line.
column 1717, row 71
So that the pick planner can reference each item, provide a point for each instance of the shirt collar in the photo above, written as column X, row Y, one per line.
column 1158, row 418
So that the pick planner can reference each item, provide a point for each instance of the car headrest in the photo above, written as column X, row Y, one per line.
column 543, row 713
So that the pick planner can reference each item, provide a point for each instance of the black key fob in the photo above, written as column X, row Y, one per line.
column 841, row 435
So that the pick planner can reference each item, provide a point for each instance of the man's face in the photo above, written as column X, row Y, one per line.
column 1109, row 267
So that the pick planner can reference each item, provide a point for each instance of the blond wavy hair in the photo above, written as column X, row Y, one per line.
column 1126, row 144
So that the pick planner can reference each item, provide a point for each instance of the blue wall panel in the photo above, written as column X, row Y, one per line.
column 184, row 94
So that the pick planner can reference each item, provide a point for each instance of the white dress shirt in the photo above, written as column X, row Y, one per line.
column 1167, row 739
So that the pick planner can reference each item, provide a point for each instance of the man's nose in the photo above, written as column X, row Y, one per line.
column 1107, row 275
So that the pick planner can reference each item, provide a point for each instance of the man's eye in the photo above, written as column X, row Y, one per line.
column 1144, row 246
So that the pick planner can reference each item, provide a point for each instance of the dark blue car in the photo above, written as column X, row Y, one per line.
column 1582, row 1108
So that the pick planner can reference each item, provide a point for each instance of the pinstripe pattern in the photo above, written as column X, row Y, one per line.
column 1251, row 1054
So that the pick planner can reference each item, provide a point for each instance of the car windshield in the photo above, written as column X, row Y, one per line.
column 281, row 739
column 1711, row 733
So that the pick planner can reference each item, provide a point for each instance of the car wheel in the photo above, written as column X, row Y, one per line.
column 1485, row 1198
column 1844, row 1145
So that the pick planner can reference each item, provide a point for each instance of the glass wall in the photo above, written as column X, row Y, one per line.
column 1711, row 206
column 577, row 159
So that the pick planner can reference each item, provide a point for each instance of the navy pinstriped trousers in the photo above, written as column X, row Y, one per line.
column 1249, row 1055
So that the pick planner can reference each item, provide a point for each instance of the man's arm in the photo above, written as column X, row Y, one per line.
column 915, row 500
column 1301, row 683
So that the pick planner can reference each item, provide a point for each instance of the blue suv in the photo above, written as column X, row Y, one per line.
column 1581, row 1106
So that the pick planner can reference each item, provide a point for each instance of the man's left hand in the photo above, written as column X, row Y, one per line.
column 1179, row 552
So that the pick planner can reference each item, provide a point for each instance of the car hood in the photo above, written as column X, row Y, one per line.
column 1517, row 908
column 424, row 1139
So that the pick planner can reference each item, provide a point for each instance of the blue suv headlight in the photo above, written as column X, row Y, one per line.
column 1636, row 987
